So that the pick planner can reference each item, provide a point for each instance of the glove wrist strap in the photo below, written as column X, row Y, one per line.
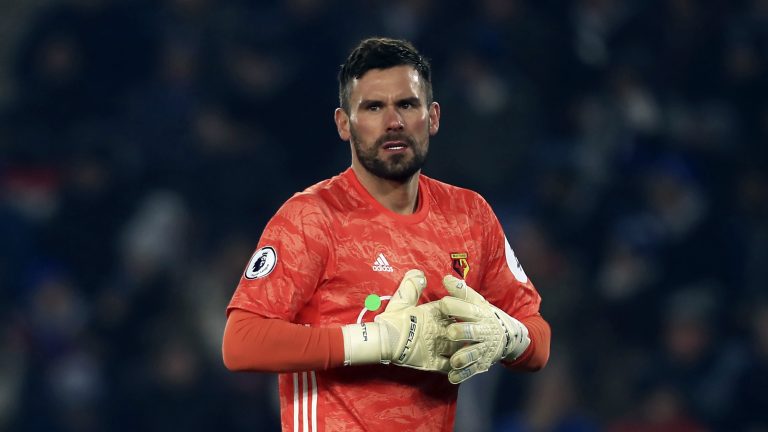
column 517, row 333
column 362, row 344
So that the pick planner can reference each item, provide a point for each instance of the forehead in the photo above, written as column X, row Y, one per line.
column 394, row 82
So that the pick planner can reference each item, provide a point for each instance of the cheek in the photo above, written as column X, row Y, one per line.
column 364, row 125
column 420, row 121
column 362, row 134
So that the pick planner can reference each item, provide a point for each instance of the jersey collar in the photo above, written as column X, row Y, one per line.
column 421, row 211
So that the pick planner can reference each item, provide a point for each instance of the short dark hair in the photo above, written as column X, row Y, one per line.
column 382, row 53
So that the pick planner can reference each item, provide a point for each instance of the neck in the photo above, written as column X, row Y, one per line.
column 399, row 197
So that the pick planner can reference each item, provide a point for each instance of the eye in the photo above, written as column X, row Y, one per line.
column 408, row 104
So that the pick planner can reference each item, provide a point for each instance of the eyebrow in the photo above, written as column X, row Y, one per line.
column 369, row 102
column 413, row 100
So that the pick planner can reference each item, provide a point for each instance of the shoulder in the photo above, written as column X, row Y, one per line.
column 450, row 196
column 320, row 200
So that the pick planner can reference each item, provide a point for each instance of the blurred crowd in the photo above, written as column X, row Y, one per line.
column 144, row 145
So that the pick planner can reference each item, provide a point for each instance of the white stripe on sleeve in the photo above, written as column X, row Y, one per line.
column 314, row 401
column 304, row 418
column 295, row 402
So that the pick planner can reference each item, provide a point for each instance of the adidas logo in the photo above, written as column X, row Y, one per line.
column 381, row 264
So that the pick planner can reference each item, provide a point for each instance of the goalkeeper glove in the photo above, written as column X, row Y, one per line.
column 491, row 333
column 404, row 334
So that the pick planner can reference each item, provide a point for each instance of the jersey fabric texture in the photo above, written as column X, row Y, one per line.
column 333, row 255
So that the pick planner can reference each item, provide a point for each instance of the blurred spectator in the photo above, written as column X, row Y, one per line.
column 751, row 405
column 552, row 404
column 659, row 409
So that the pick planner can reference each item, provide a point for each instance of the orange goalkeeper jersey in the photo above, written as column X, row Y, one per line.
column 333, row 255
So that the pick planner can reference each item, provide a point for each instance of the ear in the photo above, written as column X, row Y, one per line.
column 342, row 123
column 434, row 118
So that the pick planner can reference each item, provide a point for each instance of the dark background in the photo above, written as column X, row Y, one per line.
column 144, row 144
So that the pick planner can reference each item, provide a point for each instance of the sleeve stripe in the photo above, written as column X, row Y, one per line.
column 314, row 401
column 304, row 418
column 295, row 402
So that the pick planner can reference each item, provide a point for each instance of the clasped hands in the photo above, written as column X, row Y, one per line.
column 461, row 334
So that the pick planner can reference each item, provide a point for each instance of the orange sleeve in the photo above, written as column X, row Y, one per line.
column 254, row 343
column 537, row 354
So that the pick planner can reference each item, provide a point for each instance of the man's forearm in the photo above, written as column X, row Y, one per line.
column 253, row 343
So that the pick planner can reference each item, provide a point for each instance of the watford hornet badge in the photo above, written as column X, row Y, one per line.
column 460, row 264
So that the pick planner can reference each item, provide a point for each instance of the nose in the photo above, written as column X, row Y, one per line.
column 394, row 120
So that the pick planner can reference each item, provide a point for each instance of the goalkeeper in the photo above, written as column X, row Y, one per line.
column 346, row 295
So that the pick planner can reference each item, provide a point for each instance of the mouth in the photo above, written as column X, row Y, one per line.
column 394, row 146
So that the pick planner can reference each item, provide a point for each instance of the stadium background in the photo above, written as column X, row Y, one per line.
column 144, row 144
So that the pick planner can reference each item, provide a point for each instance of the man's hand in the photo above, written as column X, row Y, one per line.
column 491, row 333
column 404, row 334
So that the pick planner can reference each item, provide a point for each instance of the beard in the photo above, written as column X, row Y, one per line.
column 397, row 167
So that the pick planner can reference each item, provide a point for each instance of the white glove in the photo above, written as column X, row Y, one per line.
column 492, row 334
column 404, row 334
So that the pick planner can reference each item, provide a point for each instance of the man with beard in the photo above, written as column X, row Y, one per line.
column 360, row 341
